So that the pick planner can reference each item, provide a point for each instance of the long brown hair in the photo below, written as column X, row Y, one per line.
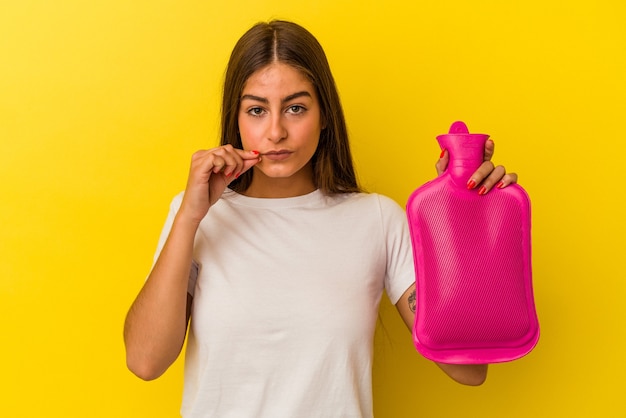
column 290, row 43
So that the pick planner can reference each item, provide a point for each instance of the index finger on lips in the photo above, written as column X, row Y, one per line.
column 249, row 154
column 249, row 159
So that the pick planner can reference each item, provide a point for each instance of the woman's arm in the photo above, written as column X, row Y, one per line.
column 156, row 323
column 466, row 374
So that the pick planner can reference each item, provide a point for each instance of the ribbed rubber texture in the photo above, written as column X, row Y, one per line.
column 473, row 273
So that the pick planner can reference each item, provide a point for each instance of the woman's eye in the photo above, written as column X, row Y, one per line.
column 255, row 111
column 296, row 109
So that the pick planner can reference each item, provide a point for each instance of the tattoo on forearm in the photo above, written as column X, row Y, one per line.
column 412, row 301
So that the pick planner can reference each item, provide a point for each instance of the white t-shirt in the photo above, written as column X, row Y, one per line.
column 286, row 302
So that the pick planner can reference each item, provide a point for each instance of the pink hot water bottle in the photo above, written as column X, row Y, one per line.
column 472, row 256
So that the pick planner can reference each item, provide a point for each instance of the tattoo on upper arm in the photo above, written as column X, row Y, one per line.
column 412, row 301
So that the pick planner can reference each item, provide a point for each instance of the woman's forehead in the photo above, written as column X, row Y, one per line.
column 277, row 80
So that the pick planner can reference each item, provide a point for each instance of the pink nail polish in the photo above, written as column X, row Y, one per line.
column 482, row 190
column 471, row 184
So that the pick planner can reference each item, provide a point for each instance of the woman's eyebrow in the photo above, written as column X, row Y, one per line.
column 296, row 95
column 255, row 98
column 286, row 99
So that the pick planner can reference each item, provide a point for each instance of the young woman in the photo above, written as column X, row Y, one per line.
column 275, row 253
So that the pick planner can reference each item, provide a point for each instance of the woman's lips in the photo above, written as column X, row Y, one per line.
column 276, row 155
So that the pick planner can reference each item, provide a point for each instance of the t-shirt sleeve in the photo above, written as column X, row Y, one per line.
column 400, row 273
column 195, row 267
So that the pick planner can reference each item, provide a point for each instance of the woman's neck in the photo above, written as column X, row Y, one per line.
column 263, row 186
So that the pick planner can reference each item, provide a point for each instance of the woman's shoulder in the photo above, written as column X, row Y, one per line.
column 375, row 197
column 382, row 202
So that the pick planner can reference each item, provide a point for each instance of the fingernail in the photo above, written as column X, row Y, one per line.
column 482, row 190
column 500, row 184
column 471, row 184
column 237, row 175
column 443, row 152
column 255, row 152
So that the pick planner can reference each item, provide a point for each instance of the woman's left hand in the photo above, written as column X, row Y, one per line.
column 487, row 176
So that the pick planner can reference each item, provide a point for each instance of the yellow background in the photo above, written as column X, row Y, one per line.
column 103, row 102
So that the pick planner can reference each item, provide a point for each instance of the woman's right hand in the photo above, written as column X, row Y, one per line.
column 210, row 173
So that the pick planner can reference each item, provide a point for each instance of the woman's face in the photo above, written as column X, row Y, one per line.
column 279, row 116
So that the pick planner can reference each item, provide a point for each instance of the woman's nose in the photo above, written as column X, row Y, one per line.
column 277, row 130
